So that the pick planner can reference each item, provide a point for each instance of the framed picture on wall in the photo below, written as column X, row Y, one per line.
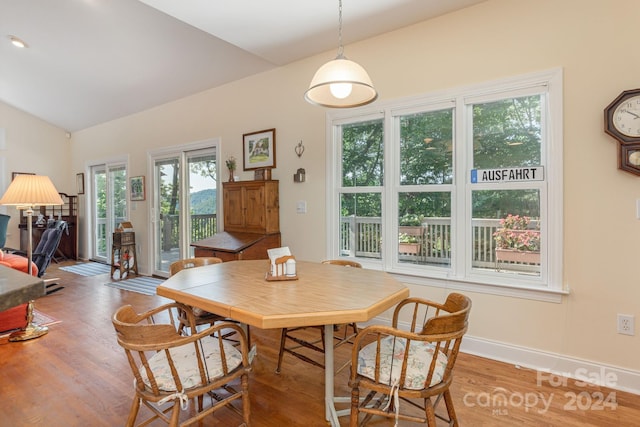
column 137, row 188
column 80, row 182
column 259, row 149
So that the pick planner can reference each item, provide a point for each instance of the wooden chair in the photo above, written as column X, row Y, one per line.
column 202, row 317
column 397, row 365
column 318, row 344
column 182, row 264
column 171, row 368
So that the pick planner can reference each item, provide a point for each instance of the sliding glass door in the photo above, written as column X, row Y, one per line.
column 108, row 206
column 185, row 203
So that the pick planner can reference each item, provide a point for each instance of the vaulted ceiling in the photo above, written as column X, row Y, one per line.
column 91, row 61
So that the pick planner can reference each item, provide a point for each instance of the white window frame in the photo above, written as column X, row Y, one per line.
column 181, row 152
column 549, row 285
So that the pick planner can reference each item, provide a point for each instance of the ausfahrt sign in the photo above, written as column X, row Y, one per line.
column 535, row 173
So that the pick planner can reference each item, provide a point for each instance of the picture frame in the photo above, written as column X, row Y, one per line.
column 259, row 149
column 80, row 183
column 136, row 185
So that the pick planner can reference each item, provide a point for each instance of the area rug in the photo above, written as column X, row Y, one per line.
column 39, row 318
column 88, row 268
column 141, row 284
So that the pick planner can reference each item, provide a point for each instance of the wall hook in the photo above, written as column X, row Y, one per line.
column 299, row 149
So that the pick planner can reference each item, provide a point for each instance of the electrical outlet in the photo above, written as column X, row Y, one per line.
column 626, row 324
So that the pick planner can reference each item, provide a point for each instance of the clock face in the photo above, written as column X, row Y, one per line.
column 626, row 117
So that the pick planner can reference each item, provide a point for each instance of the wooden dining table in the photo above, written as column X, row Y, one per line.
column 322, row 294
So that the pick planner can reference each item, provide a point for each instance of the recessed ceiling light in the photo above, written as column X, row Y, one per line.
column 18, row 42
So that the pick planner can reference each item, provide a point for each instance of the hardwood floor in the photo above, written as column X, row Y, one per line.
column 77, row 375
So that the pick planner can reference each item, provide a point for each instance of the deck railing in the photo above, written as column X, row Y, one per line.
column 362, row 237
column 202, row 226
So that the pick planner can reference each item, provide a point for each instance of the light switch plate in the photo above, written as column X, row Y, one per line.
column 301, row 207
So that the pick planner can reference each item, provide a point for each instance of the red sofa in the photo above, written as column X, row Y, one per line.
column 17, row 262
column 15, row 317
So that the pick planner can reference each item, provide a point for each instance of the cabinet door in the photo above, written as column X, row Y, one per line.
column 251, row 207
column 254, row 209
column 233, row 207
column 272, row 211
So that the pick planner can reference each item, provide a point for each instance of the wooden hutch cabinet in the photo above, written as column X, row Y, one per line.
column 251, row 206
column 251, row 222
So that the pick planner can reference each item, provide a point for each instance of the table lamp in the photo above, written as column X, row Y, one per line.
column 26, row 192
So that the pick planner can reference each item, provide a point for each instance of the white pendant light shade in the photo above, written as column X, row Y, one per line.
column 341, row 83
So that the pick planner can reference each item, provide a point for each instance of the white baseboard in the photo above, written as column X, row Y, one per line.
column 557, row 364
column 547, row 363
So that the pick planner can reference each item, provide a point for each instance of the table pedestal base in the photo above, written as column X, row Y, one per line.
column 31, row 331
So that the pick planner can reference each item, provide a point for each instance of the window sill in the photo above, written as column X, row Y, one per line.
column 526, row 292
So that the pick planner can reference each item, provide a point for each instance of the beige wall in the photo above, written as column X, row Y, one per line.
column 34, row 146
column 594, row 41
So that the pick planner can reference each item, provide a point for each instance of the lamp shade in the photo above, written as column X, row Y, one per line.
column 341, row 83
column 31, row 190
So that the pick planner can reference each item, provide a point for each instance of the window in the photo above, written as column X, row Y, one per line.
column 464, row 188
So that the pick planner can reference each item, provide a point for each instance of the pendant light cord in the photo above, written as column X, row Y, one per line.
column 340, row 48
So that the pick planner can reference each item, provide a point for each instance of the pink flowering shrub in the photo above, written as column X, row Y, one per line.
column 516, row 234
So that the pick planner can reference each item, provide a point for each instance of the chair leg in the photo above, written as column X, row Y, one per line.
column 246, row 408
column 355, row 403
column 347, row 336
column 448, row 401
column 283, row 338
column 300, row 343
column 430, row 412
column 133, row 413
column 175, row 414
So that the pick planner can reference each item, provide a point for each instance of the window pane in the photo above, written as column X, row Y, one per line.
column 507, row 133
column 100, row 213
column 202, row 198
column 361, row 225
column 424, row 229
column 426, row 148
column 118, row 185
column 506, row 231
column 167, row 228
column 362, row 154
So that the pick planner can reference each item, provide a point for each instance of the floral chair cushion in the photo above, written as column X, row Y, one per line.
column 184, row 358
column 391, row 356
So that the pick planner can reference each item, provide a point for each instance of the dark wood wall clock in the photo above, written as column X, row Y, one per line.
column 622, row 121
